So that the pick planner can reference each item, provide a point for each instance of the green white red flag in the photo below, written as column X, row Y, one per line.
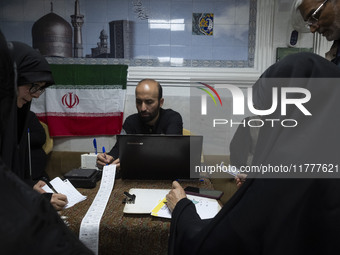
column 86, row 100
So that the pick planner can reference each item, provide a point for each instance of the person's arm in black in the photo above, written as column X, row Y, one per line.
column 37, row 132
column 31, row 221
column 127, row 129
column 185, row 224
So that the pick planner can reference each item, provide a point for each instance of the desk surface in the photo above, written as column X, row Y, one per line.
column 125, row 233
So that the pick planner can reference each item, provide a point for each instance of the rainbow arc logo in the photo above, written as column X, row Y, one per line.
column 204, row 100
column 209, row 93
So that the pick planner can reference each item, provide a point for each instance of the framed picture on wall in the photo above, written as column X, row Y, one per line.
column 137, row 32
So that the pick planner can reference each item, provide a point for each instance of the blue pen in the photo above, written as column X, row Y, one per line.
column 95, row 145
column 104, row 153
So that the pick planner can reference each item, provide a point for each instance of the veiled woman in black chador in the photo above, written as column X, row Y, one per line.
column 29, row 224
column 278, row 215
column 33, row 76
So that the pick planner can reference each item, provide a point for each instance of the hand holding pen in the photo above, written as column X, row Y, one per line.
column 58, row 201
column 104, row 159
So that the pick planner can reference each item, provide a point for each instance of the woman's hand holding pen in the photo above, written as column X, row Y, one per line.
column 59, row 201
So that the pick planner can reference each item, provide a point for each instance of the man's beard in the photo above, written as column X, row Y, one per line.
column 146, row 119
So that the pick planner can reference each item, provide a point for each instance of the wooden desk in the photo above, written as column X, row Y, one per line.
column 122, row 233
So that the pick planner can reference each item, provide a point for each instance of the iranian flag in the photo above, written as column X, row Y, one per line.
column 86, row 100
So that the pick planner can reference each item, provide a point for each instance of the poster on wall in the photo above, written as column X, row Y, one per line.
column 136, row 32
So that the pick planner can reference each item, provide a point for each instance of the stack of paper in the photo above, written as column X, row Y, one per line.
column 65, row 187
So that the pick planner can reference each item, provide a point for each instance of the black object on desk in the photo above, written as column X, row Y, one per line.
column 159, row 157
column 83, row 177
column 129, row 199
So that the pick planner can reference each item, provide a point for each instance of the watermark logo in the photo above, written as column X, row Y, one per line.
column 282, row 95
column 204, row 97
column 239, row 100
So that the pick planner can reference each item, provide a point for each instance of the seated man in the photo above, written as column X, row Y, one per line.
column 150, row 119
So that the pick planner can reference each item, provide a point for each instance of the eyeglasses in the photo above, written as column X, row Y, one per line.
column 314, row 18
column 36, row 88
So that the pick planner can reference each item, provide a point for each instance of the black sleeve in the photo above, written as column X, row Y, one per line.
column 47, row 196
column 32, row 222
column 191, row 235
column 185, row 224
column 37, row 132
column 114, row 152
column 128, row 129
column 240, row 146
column 130, row 124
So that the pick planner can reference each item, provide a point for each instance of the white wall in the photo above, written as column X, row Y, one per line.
column 283, row 28
column 273, row 31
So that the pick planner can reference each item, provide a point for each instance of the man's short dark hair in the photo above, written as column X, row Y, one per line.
column 160, row 91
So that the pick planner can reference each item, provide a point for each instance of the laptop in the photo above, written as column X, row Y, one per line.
column 159, row 157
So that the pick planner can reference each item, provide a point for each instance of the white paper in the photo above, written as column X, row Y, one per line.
column 206, row 208
column 66, row 188
column 145, row 201
column 89, row 227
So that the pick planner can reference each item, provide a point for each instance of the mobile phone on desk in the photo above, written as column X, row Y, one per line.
column 215, row 194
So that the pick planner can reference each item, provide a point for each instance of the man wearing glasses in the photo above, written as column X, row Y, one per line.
column 323, row 17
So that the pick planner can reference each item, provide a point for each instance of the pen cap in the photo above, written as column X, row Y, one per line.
column 95, row 145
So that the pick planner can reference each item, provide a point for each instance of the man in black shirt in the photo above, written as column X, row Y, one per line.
column 150, row 119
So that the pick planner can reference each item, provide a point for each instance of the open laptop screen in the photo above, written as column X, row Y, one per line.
column 166, row 157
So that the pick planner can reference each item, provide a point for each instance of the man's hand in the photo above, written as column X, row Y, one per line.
column 38, row 187
column 240, row 179
column 59, row 201
column 175, row 195
column 104, row 159
column 117, row 163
